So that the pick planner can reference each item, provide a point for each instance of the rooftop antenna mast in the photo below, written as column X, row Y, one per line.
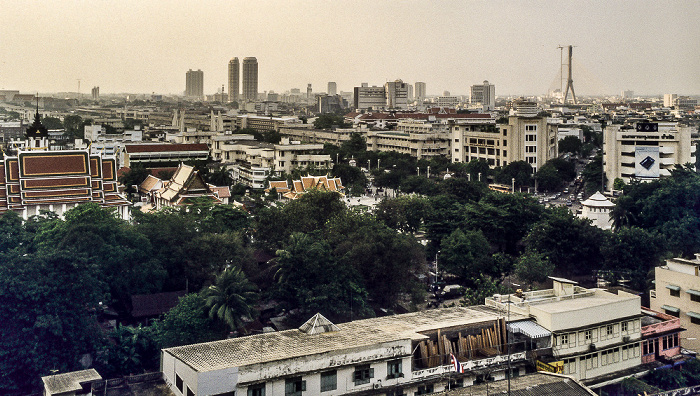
column 570, row 79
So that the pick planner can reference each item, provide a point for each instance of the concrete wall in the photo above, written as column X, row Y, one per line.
column 665, row 277
column 586, row 311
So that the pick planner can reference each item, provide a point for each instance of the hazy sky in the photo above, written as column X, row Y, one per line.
column 144, row 46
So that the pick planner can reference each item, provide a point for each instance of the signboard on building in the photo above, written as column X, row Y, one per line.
column 646, row 161
column 552, row 367
column 647, row 127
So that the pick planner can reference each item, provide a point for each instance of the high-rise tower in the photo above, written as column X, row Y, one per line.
column 234, row 76
column 420, row 91
column 570, row 78
column 332, row 88
column 250, row 78
column 485, row 94
column 194, row 83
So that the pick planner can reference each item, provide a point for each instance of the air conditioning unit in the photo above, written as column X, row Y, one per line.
column 377, row 385
column 591, row 347
column 625, row 338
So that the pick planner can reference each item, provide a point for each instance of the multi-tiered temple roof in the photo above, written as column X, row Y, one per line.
column 37, row 179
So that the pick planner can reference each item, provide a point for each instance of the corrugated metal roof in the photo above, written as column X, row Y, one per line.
column 295, row 343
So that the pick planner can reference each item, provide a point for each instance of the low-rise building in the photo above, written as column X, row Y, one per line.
column 73, row 383
column 597, row 208
column 594, row 333
column 660, row 337
column 677, row 293
column 304, row 185
column 183, row 187
column 153, row 153
column 39, row 179
column 293, row 154
column 400, row 354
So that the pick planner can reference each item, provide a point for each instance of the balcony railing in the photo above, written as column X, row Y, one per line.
column 468, row 365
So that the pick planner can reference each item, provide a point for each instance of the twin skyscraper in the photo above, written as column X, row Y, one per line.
column 249, row 80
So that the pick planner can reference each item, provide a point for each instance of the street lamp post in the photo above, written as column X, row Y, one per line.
column 428, row 171
column 510, row 373
column 418, row 170
column 436, row 269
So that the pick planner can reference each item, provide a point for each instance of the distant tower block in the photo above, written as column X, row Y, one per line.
column 570, row 79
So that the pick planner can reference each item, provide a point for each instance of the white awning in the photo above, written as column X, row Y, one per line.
column 529, row 328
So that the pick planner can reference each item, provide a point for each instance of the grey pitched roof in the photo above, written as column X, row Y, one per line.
column 295, row 343
column 69, row 382
column 537, row 384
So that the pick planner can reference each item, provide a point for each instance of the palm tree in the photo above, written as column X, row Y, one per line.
column 231, row 297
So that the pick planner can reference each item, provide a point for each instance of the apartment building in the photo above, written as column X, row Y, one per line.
column 592, row 333
column 677, row 292
column 308, row 135
column 484, row 94
column 396, row 95
column 252, row 162
column 370, row 98
column 524, row 138
column 395, row 355
column 645, row 151
column 418, row 138
column 292, row 154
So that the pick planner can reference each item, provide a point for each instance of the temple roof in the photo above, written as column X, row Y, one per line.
column 37, row 129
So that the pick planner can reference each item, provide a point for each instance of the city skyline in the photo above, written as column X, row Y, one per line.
column 144, row 47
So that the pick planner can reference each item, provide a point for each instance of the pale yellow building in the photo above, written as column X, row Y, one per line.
column 593, row 333
column 524, row 138
column 677, row 293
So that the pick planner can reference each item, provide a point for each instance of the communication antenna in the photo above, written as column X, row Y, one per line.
column 570, row 79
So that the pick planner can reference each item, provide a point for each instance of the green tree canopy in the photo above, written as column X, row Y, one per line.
column 122, row 255
column 49, row 300
column 570, row 144
column 328, row 120
column 187, row 323
column 571, row 244
column 521, row 171
column 310, row 277
column 630, row 253
column 533, row 267
column 467, row 254
column 386, row 261
column 404, row 213
column 74, row 126
column 231, row 297
column 52, row 123
column 668, row 206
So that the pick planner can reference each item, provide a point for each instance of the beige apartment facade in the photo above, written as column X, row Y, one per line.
column 677, row 293
column 529, row 139
column 594, row 333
